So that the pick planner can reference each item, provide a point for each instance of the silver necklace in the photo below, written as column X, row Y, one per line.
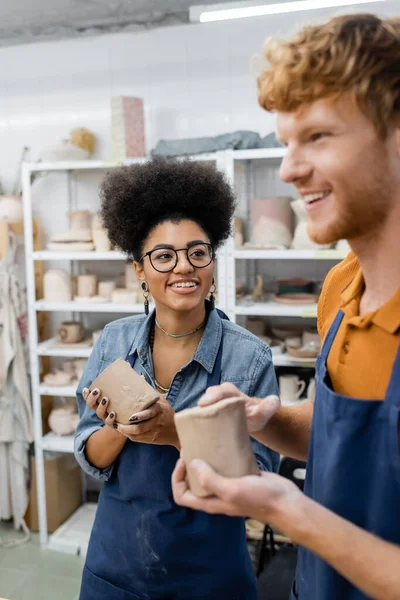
column 160, row 387
column 180, row 335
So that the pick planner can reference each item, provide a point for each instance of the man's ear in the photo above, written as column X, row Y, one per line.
column 397, row 132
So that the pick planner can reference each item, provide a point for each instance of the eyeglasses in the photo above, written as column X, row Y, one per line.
column 164, row 260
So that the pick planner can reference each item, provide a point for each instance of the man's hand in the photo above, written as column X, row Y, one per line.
column 265, row 497
column 258, row 411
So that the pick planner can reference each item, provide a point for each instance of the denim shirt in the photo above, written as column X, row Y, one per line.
column 246, row 362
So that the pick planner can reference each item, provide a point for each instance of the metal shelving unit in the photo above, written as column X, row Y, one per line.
column 51, row 442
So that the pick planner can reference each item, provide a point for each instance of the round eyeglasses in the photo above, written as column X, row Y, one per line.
column 164, row 260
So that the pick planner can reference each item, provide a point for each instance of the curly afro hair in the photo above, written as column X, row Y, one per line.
column 137, row 198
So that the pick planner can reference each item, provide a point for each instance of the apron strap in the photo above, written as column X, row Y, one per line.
column 131, row 358
column 214, row 378
column 393, row 391
column 331, row 335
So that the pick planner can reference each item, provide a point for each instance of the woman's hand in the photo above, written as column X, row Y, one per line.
column 155, row 425
column 96, row 402
column 258, row 411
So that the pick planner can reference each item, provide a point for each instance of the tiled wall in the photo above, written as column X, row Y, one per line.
column 195, row 79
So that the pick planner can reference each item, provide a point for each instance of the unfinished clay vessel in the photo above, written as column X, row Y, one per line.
column 128, row 392
column 218, row 435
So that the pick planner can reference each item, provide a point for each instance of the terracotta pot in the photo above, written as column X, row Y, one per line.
column 106, row 289
column 128, row 392
column 79, row 219
column 271, row 221
column 87, row 285
column 100, row 240
column 57, row 286
column 71, row 332
column 218, row 435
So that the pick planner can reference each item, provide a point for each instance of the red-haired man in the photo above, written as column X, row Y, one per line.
column 336, row 91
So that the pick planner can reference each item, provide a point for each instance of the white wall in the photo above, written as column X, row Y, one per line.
column 195, row 81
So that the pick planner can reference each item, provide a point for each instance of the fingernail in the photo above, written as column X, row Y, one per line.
column 104, row 401
column 115, row 425
column 133, row 418
column 95, row 392
column 112, row 415
column 196, row 464
column 85, row 390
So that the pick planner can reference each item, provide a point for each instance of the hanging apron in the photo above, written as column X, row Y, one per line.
column 144, row 546
column 353, row 469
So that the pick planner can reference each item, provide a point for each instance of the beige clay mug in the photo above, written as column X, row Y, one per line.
column 87, row 285
column 71, row 332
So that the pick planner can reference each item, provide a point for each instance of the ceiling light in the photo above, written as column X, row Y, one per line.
column 240, row 10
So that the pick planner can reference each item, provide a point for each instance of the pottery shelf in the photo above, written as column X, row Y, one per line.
column 67, row 391
column 285, row 360
column 95, row 165
column 95, row 307
column 253, row 173
column 272, row 309
column 47, row 348
column 259, row 154
column 58, row 443
column 106, row 256
column 253, row 254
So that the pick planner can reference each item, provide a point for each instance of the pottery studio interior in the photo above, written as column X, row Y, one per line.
column 199, row 217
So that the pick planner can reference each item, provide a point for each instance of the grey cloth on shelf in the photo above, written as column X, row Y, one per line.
column 270, row 141
column 238, row 140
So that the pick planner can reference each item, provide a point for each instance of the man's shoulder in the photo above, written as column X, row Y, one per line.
column 336, row 281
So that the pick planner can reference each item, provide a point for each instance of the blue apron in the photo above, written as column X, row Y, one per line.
column 143, row 546
column 353, row 469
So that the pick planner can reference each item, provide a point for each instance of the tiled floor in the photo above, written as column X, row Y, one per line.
column 27, row 573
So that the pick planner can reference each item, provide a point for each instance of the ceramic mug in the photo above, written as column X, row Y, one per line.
column 71, row 332
column 87, row 285
column 106, row 289
column 291, row 387
column 100, row 240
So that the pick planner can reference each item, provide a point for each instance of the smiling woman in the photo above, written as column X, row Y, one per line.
column 170, row 217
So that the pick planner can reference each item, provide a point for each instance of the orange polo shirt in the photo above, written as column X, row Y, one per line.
column 362, row 355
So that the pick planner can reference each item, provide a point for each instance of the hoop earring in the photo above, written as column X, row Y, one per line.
column 146, row 295
column 212, row 291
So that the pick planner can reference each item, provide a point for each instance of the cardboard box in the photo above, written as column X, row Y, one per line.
column 127, row 128
column 63, row 491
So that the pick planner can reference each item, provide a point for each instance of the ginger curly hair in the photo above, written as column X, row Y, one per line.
column 355, row 54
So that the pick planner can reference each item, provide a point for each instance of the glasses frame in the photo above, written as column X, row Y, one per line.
column 176, row 250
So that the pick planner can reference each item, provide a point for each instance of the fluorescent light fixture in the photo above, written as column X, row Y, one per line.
column 240, row 10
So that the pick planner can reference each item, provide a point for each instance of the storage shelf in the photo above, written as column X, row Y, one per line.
column 95, row 165
column 98, row 307
column 46, row 349
column 73, row 535
column 79, row 165
column 259, row 153
column 273, row 309
column 57, row 390
column 251, row 254
column 284, row 360
column 58, row 443
column 92, row 255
